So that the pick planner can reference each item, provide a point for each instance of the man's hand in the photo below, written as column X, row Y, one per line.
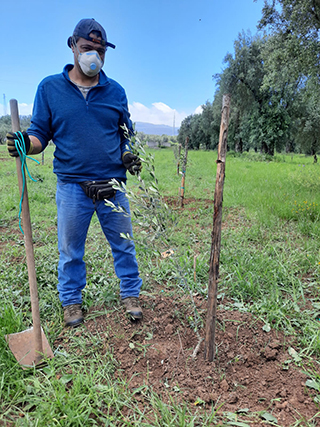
column 131, row 162
column 11, row 146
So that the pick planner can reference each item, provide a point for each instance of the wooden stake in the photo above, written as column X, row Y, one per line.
column 216, row 233
column 178, row 162
column 184, row 172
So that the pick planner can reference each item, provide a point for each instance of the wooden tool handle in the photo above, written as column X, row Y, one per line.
column 28, row 239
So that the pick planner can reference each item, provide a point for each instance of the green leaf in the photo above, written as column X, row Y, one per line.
column 269, row 417
column 102, row 387
column 131, row 345
column 125, row 236
column 242, row 411
column 231, row 416
column 266, row 327
column 237, row 423
column 48, row 371
column 313, row 384
column 295, row 356
column 154, row 189
column 199, row 402
column 149, row 336
column 66, row 378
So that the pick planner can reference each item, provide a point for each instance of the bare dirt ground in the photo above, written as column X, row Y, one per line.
column 251, row 372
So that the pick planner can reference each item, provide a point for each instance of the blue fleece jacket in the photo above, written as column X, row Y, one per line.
column 86, row 132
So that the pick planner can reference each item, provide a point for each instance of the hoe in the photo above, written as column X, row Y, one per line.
column 31, row 346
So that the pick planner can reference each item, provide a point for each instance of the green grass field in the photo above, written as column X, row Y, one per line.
column 270, row 266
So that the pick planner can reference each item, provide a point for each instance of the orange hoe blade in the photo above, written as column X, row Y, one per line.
column 29, row 347
column 23, row 346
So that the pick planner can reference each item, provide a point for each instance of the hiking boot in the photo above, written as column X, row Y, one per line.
column 133, row 307
column 73, row 315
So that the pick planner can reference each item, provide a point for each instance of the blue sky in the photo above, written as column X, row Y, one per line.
column 166, row 50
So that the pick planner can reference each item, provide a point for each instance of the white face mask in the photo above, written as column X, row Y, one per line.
column 90, row 63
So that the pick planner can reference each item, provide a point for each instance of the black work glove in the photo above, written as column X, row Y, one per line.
column 11, row 146
column 131, row 162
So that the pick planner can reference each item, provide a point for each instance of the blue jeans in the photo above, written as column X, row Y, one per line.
column 75, row 211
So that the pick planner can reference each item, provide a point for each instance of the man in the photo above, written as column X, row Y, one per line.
column 84, row 113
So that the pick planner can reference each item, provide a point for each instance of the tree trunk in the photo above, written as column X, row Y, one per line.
column 264, row 148
column 239, row 146
column 267, row 149
column 271, row 150
column 313, row 147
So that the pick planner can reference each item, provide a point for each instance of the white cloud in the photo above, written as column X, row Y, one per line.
column 158, row 114
column 163, row 107
column 24, row 109
column 198, row 110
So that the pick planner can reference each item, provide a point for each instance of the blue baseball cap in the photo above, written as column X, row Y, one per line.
column 86, row 27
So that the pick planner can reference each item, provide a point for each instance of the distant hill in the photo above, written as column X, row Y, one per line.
column 151, row 129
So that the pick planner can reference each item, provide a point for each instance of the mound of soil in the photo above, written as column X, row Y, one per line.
column 253, row 370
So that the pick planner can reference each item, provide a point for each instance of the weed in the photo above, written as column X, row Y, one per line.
column 306, row 210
